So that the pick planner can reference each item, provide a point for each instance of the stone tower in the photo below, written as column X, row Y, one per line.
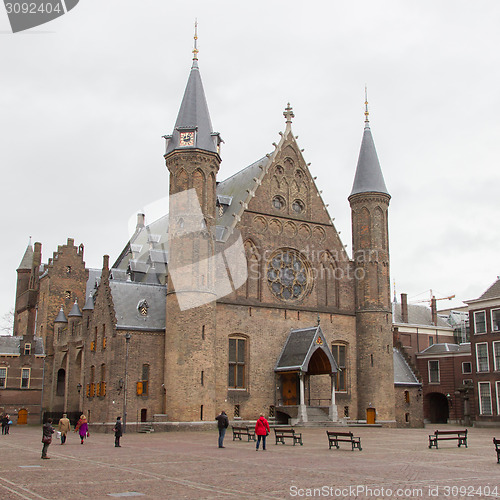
column 369, row 200
column 27, row 291
column 192, row 158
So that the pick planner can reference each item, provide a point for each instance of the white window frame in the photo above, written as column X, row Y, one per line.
column 492, row 323
column 22, row 378
column 487, row 358
column 463, row 369
column 480, row 398
column 438, row 371
column 6, row 373
column 475, row 324
column 497, row 384
column 495, row 363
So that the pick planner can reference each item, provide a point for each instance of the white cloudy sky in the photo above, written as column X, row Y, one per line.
column 85, row 99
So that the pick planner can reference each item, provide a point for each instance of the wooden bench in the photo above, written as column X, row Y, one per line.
column 460, row 436
column 335, row 437
column 243, row 431
column 496, row 442
column 282, row 434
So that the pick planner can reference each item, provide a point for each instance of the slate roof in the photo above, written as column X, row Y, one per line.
column 193, row 114
column 61, row 317
column 238, row 188
column 403, row 374
column 75, row 310
column 27, row 260
column 493, row 291
column 417, row 315
column 299, row 347
column 446, row 348
column 368, row 177
column 12, row 345
column 126, row 297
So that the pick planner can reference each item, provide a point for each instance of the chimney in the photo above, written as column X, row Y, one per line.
column 105, row 267
column 404, row 308
column 141, row 219
column 37, row 254
column 434, row 311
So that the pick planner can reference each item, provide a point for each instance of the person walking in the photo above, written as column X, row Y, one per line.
column 64, row 427
column 47, row 430
column 222, row 424
column 118, row 431
column 261, row 431
column 82, row 427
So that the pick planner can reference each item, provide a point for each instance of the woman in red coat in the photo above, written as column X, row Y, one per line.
column 261, row 430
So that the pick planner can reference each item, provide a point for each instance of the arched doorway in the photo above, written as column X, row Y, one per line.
column 61, row 382
column 22, row 417
column 439, row 410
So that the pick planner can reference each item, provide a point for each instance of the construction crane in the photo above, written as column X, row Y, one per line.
column 433, row 298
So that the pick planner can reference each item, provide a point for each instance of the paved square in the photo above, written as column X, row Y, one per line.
column 394, row 463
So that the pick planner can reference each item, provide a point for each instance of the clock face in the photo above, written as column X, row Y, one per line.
column 187, row 139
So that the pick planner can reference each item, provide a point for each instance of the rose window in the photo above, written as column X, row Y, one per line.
column 288, row 275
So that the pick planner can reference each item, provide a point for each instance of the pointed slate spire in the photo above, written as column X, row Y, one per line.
column 193, row 128
column 27, row 260
column 368, row 178
column 75, row 310
column 89, row 303
column 61, row 318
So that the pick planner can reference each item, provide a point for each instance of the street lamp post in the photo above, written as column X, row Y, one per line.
column 127, row 342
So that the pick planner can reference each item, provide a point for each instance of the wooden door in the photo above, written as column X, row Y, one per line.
column 370, row 415
column 22, row 417
column 289, row 388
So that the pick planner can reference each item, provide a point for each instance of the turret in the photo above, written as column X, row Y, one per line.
column 192, row 158
column 369, row 202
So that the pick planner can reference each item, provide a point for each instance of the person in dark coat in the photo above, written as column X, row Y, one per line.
column 222, row 424
column 261, row 431
column 5, row 424
column 118, row 431
column 47, row 430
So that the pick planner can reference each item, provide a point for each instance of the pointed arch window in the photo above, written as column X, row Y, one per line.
column 237, row 373
column 340, row 354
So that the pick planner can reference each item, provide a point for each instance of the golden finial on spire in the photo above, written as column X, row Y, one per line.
column 366, row 105
column 195, row 50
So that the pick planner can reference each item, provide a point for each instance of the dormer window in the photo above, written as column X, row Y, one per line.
column 27, row 349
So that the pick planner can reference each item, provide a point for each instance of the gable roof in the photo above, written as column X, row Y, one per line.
column 299, row 347
column 238, row 189
column 493, row 292
column 12, row 345
column 446, row 348
column 417, row 315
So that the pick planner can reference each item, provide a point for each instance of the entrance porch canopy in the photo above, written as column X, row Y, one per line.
column 306, row 351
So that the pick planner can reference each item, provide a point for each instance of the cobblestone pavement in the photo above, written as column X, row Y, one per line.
column 394, row 463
